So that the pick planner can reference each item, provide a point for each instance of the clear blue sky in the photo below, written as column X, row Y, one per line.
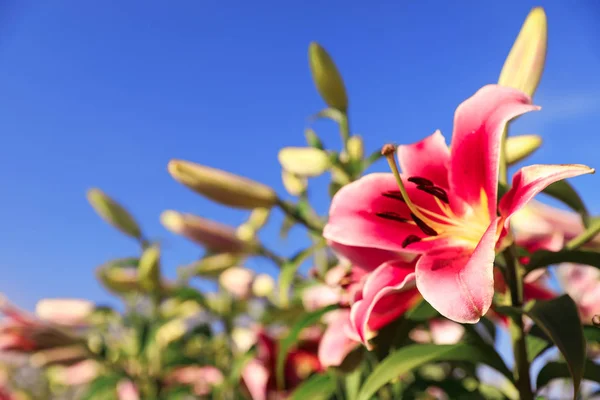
column 105, row 93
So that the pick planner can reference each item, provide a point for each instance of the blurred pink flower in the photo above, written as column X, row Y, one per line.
column 79, row 373
column 237, row 281
column 201, row 378
column 582, row 283
column 441, row 331
column 126, row 390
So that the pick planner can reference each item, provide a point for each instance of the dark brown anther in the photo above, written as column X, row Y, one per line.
column 417, row 180
column 596, row 320
column 394, row 194
column 429, row 231
column 410, row 239
column 435, row 191
column 391, row 215
column 388, row 149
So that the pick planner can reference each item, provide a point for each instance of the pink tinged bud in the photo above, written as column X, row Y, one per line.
column 126, row 390
column 237, row 281
column 202, row 379
column 70, row 312
column 77, row 374
column 319, row 296
column 444, row 331
column 210, row 234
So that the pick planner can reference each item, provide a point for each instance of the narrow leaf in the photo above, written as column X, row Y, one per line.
column 563, row 191
column 352, row 382
column 317, row 387
column 559, row 319
column 292, row 338
column 592, row 333
column 535, row 346
column 422, row 312
column 413, row 356
column 544, row 258
column 556, row 370
column 288, row 272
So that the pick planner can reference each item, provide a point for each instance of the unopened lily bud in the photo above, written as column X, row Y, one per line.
column 304, row 161
column 237, row 281
column 113, row 213
column 259, row 217
column 356, row 149
column 263, row 285
column 525, row 63
column 292, row 183
column 149, row 269
column 222, row 187
column 58, row 355
column 212, row 235
column 243, row 339
column 327, row 79
column 312, row 139
column 212, row 266
column 520, row 147
column 70, row 312
column 246, row 233
column 178, row 328
column 118, row 280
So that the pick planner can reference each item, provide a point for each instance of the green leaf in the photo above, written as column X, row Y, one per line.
column 125, row 262
column 559, row 319
column 238, row 366
column 535, row 346
column 352, row 383
column 410, row 357
column 591, row 333
column 592, row 230
column 556, row 370
column 544, row 258
column 317, row 387
column 288, row 272
column 287, row 224
column 329, row 113
column 563, row 191
column 188, row 293
column 422, row 312
column 292, row 338
column 102, row 388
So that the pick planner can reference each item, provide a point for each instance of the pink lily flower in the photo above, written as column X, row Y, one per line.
column 582, row 283
column 201, row 378
column 126, row 390
column 441, row 331
column 259, row 374
column 444, row 206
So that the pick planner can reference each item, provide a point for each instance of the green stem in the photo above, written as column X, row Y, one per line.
column 293, row 211
column 585, row 237
column 345, row 130
column 517, row 329
column 503, row 167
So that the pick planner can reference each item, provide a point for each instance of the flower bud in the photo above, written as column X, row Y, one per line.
column 356, row 149
column 118, row 280
column 210, row 234
column 292, row 183
column 263, row 285
column 59, row 355
column 312, row 139
column 70, row 312
column 223, row 187
column 304, row 161
column 327, row 78
column 258, row 218
column 149, row 269
column 237, row 281
column 520, row 147
column 213, row 265
column 113, row 213
column 525, row 63
column 243, row 338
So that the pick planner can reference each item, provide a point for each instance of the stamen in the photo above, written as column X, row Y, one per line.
column 388, row 151
column 417, row 180
column 424, row 227
column 392, row 215
column 394, row 194
column 410, row 239
column 435, row 191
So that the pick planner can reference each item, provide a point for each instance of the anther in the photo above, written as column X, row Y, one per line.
column 435, row 191
column 424, row 227
column 388, row 149
column 394, row 194
column 391, row 215
column 420, row 181
column 410, row 239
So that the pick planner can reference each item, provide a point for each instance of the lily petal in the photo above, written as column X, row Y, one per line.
column 368, row 258
column 459, row 283
column 388, row 293
column 531, row 180
column 353, row 219
column 256, row 377
column 475, row 151
column 335, row 345
column 427, row 159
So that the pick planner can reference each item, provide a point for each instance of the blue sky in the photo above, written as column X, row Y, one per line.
column 105, row 93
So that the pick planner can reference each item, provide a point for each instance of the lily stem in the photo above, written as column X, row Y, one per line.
column 309, row 221
column 517, row 329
